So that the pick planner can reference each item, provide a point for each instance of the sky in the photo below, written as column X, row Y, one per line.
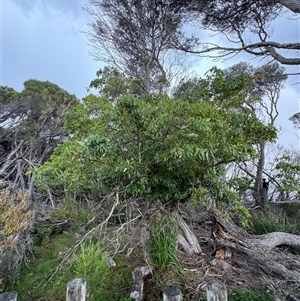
column 43, row 40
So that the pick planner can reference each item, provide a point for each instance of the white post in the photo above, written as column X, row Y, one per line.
column 10, row 296
column 172, row 293
column 137, row 292
column 76, row 290
column 216, row 291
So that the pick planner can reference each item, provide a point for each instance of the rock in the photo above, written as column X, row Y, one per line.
column 221, row 264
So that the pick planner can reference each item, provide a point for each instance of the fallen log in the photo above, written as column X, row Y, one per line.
column 263, row 252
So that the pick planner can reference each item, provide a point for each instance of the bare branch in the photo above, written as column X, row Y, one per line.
column 257, row 49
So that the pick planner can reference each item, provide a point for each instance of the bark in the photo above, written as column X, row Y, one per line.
column 189, row 235
column 182, row 242
column 258, row 179
column 262, row 253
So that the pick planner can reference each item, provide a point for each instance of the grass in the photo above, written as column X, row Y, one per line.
column 164, row 244
column 101, row 281
column 249, row 295
column 92, row 265
column 263, row 225
column 33, row 282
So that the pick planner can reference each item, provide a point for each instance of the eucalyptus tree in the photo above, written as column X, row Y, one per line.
column 269, row 82
column 135, row 37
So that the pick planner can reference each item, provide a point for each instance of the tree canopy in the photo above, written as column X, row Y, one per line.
column 156, row 147
column 30, row 127
column 136, row 38
column 245, row 24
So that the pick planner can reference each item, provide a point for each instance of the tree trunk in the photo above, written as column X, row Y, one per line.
column 189, row 235
column 258, row 190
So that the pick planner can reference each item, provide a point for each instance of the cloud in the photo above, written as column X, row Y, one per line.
column 71, row 9
column 45, row 45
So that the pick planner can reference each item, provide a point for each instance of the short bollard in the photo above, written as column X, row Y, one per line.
column 216, row 291
column 76, row 290
column 172, row 293
column 10, row 296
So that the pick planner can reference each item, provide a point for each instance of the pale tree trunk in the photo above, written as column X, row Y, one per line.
column 194, row 246
column 260, row 193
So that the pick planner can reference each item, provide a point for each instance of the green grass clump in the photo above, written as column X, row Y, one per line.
column 163, row 246
column 92, row 265
column 263, row 225
column 248, row 295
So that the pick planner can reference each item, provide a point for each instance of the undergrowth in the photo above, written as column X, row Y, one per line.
column 163, row 246
column 249, row 295
column 38, row 280
column 263, row 225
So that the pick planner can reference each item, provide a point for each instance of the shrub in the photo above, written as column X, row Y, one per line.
column 91, row 264
column 15, row 215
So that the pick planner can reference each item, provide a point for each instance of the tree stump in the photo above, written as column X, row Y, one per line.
column 172, row 293
column 10, row 296
column 216, row 291
column 76, row 290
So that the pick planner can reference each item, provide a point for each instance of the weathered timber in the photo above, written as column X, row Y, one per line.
column 182, row 242
column 216, row 291
column 189, row 235
column 9, row 296
column 172, row 293
column 76, row 290
column 137, row 292
column 263, row 254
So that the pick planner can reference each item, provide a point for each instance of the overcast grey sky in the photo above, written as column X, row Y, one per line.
column 41, row 39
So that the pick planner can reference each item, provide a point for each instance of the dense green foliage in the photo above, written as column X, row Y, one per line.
column 154, row 146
